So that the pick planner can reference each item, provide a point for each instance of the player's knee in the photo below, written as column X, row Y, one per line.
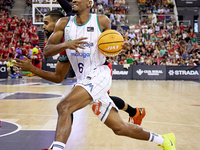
column 120, row 129
column 63, row 107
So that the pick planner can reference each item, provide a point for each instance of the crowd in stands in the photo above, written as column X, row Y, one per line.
column 116, row 10
column 152, row 42
column 17, row 35
column 160, row 45
column 156, row 41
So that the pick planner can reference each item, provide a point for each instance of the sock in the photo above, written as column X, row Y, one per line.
column 58, row 145
column 118, row 102
column 131, row 111
column 121, row 104
column 156, row 138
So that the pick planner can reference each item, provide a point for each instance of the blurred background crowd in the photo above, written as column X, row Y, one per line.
column 157, row 39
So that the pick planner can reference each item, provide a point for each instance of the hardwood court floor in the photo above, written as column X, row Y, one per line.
column 171, row 106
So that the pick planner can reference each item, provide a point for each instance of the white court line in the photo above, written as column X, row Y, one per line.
column 18, row 128
column 178, row 124
column 36, row 84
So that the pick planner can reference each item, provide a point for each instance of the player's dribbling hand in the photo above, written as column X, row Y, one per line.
column 125, row 47
column 23, row 65
column 75, row 44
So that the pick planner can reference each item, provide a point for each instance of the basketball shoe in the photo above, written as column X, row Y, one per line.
column 137, row 119
column 169, row 143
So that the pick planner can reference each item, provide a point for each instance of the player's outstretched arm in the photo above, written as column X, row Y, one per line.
column 57, row 76
column 65, row 5
column 52, row 47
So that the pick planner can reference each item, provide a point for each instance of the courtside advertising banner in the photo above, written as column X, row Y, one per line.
column 182, row 73
column 49, row 64
column 187, row 3
column 119, row 72
column 3, row 71
column 144, row 72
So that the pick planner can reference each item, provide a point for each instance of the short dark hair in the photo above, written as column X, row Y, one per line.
column 55, row 14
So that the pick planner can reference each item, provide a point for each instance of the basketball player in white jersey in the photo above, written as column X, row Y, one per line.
column 135, row 114
column 93, row 78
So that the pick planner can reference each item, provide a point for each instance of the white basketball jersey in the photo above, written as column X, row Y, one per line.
column 90, row 57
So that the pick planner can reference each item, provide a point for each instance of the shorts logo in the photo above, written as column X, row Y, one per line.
column 96, row 108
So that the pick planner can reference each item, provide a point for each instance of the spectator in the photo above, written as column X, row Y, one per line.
column 154, row 19
column 145, row 61
column 129, row 57
column 131, row 35
column 34, row 39
column 11, row 72
column 191, row 62
column 163, row 50
column 194, row 39
column 123, row 60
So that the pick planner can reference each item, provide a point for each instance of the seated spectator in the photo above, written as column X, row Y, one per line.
column 181, row 27
column 189, row 27
column 24, row 35
column 100, row 8
column 122, row 60
column 151, row 30
column 127, row 9
column 126, row 27
column 113, row 26
column 13, row 25
column 181, row 62
column 9, row 35
column 191, row 34
column 11, row 72
column 167, row 38
column 131, row 35
column 191, row 62
column 5, row 53
column 157, row 27
column 163, row 50
column 145, row 61
column 129, row 57
column 131, row 27
column 194, row 39
column 153, row 38
column 174, row 62
column 169, row 25
column 168, row 17
column 34, row 39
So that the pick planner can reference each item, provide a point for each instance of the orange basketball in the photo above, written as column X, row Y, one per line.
column 110, row 43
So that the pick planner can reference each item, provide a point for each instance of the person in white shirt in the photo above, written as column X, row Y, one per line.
column 131, row 27
column 131, row 34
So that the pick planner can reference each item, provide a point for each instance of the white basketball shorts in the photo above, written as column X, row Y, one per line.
column 97, row 83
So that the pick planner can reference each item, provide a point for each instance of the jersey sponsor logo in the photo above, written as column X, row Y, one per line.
column 2, row 69
column 96, row 108
column 87, row 45
column 117, row 72
column 90, row 29
column 84, row 55
column 183, row 72
column 149, row 72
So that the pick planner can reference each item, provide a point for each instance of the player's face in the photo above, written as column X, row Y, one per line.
column 80, row 5
column 48, row 26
